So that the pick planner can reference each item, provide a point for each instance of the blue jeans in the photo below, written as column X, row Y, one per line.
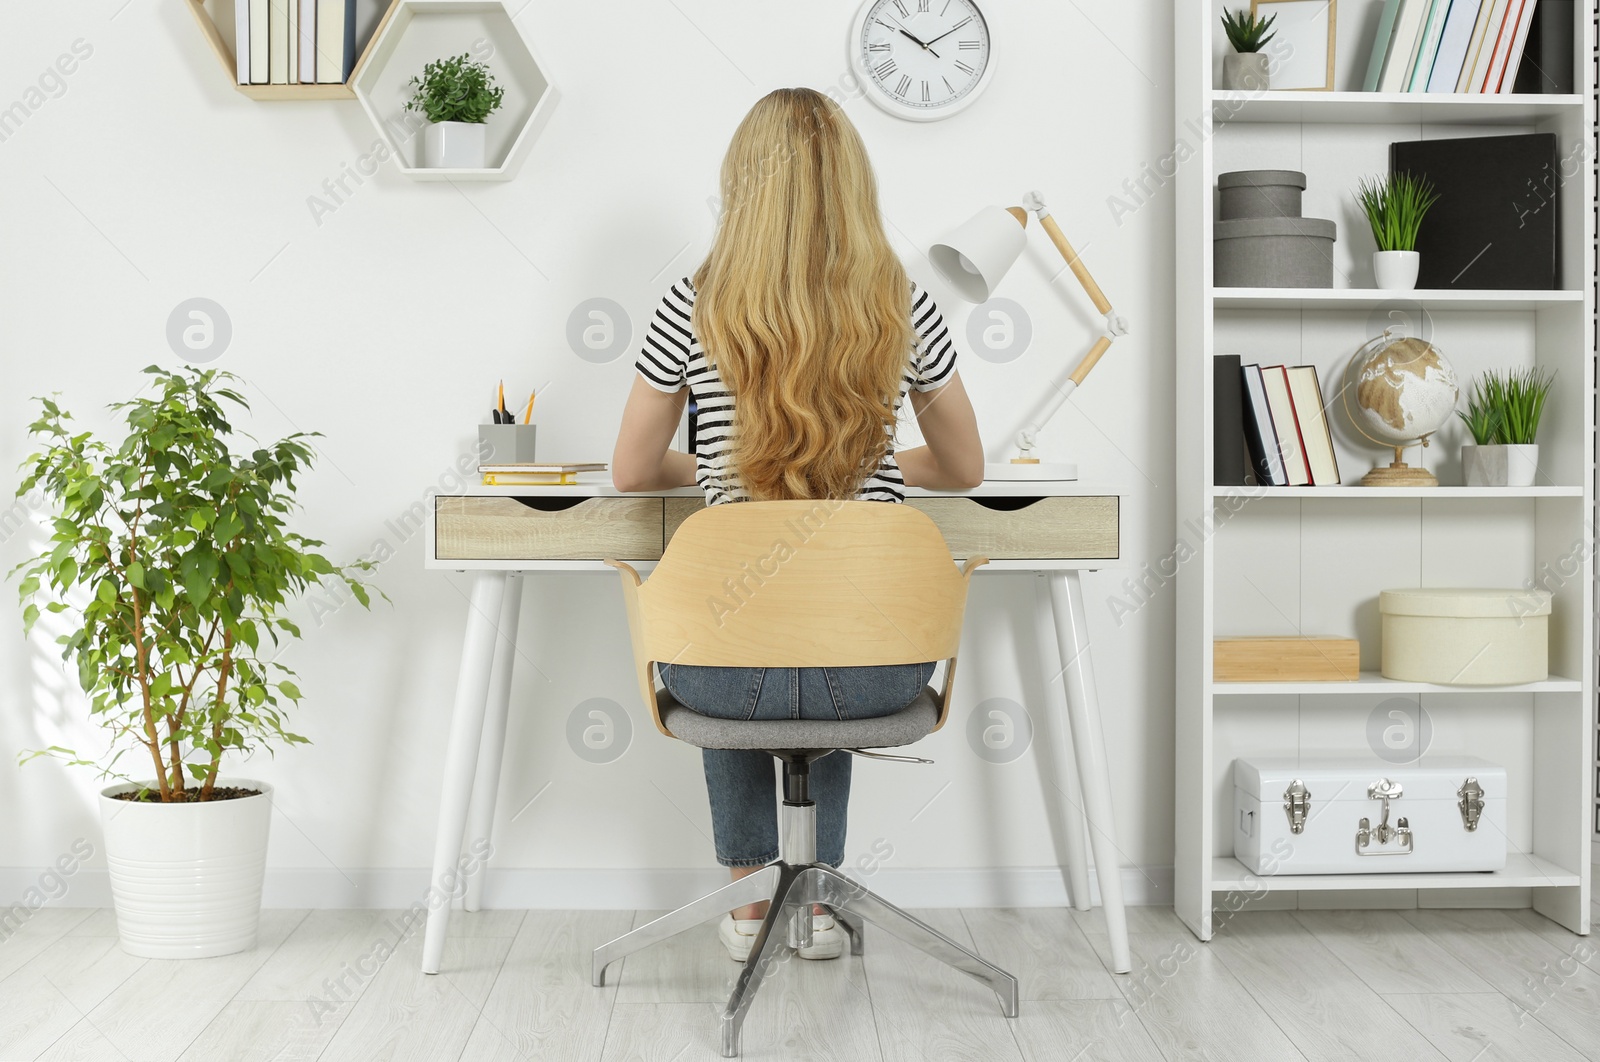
column 743, row 783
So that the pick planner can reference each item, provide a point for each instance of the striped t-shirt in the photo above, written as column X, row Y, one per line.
column 672, row 358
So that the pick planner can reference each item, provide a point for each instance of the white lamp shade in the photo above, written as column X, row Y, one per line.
column 975, row 257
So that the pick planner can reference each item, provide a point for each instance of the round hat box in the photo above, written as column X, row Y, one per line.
column 1461, row 637
column 1260, row 194
column 1273, row 253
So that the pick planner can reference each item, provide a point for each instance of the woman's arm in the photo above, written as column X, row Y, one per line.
column 642, row 460
column 952, row 456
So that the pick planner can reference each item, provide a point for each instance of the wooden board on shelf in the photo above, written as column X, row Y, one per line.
column 1285, row 658
column 271, row 93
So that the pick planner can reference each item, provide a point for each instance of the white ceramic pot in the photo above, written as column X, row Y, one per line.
column 1500, row 466
column 454, row 145
column 186, row 878
column 1246, row 71
column 1396, row 270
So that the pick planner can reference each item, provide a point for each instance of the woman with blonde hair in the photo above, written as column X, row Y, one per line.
column 799, row 337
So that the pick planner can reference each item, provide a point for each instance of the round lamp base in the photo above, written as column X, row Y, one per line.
column 1015, row 471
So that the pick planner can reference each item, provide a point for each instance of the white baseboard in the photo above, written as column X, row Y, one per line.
column 620, row 888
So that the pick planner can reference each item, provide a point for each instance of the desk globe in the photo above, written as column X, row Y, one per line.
column 1404, row 391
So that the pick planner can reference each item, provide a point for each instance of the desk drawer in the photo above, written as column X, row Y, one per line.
column 492, row 528
column 1026, row 528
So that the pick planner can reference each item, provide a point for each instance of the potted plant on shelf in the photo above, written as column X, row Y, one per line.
column 1395, row 206
column 171, row 566
column 1503, row 414
column 1246, row 66
column 456, row 95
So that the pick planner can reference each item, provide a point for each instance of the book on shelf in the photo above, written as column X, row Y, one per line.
column 278, row 42
column 1492, row 17
column 294, row 41
column 1381, row 44
column 306, row 68
column 260, row 68
column 1305, row 391
column 1275, row 381
column 241, row 40
column 1508, row 79
column 1403, row 49
column 1493, row 60
column 1494, row 226
column 1428, row 46
column 1229, row 464
column 1453, row 44
column 336, row 40
column 1547, row 62
column 1261, row 438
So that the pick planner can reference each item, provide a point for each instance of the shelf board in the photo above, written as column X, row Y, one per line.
column 1372, row 298
column 1368, row 493
column 1378, row 107
column 1521, row 871
column 329, row 91
column 1371, row 682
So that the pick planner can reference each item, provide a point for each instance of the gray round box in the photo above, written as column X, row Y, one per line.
column 1273, row 253
column 1260, row 193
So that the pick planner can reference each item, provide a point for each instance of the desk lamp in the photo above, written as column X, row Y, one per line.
column 972, row 261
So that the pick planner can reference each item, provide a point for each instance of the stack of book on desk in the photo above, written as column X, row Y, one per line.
column 537, row 475
column 1275, row 414
column 294, row 42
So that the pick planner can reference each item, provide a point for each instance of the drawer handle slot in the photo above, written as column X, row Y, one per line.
column 550, row 505
column 1005, row 505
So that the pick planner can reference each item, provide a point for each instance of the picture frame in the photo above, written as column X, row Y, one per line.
column 1302, row 48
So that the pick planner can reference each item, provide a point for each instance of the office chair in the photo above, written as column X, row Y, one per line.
column 800, row 584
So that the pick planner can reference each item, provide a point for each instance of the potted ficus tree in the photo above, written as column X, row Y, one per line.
column 1503, row 414
column 1246, row 66
column 456, row 95
column 170, row 568
column 1395, row 206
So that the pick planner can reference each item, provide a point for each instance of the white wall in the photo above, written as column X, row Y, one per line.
column 149, row 181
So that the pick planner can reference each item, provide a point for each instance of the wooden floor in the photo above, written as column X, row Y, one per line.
column 1274, row 986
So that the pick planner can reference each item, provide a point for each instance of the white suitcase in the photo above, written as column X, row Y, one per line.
column 1300, row 815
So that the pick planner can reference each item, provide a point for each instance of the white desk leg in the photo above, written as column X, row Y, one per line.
column 461, row 754
column 491, row 750
column 1077, row 856
column 1088, row 740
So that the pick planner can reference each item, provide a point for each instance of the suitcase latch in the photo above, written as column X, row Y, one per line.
column 1383, row 833
column 1297, row 805
column 1470, row 801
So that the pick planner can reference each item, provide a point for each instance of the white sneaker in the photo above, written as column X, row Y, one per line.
column 738, row 935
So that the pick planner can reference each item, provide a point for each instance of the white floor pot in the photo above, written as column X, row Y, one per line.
column 1500, row 466
column 1396, row 270
column 186, row 878
column 455, row 145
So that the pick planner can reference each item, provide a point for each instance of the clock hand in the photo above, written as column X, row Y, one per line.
column 905, row 32
column 945, row 34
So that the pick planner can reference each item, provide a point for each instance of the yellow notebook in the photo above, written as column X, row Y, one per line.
column 545, row 479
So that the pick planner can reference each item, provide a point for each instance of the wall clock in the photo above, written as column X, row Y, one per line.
column 921, row 59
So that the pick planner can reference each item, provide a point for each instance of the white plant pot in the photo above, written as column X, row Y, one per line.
column 454, row 145
column 1396, row 270
column 186, row 878
column 1500, row 466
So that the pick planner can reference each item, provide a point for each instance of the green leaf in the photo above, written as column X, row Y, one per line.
column 135, row 572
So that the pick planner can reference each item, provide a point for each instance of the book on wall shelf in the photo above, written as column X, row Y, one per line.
column 290, row 42
column 1471, row 46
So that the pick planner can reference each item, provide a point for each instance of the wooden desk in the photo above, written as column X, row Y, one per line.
column 498, row 533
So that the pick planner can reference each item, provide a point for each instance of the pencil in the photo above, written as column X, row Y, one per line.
column 527, row 418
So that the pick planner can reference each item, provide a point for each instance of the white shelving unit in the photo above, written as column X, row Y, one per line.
column 1313, row 560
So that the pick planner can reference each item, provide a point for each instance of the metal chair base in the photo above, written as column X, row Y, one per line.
column 791, row 889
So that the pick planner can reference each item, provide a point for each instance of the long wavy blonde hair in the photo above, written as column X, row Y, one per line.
column 802, row 306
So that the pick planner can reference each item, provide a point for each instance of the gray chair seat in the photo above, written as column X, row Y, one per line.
column 910, row 724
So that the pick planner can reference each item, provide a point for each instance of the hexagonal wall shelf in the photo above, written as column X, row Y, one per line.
column 420, row 31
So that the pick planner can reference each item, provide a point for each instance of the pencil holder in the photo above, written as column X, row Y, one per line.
column 506, row 444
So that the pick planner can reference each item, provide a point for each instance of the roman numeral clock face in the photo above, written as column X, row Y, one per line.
column 922, row 59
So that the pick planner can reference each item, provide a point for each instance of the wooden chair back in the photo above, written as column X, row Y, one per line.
column 798, row 584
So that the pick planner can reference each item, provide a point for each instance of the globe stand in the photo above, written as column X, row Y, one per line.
column 1400, row 474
